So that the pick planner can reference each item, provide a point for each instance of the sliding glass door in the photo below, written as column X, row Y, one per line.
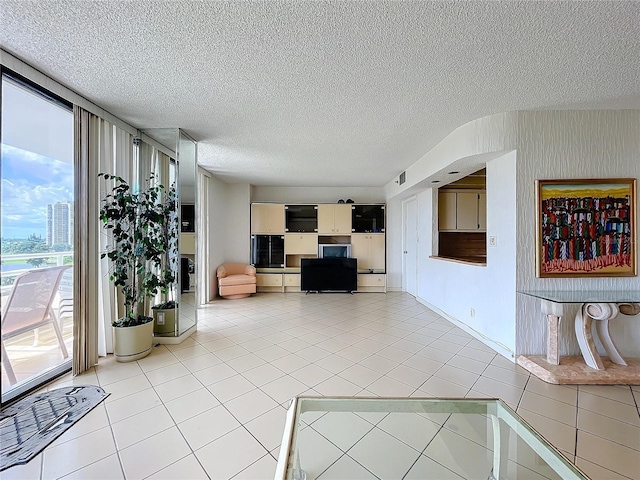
column 36, row 236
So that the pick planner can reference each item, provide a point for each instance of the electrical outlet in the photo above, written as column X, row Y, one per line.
column 493, row 241
column 472, row 312
column 160, row 319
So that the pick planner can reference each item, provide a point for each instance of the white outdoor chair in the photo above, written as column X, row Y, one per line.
column 29, row 307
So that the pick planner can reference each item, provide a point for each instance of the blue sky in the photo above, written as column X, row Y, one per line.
column 30, row 182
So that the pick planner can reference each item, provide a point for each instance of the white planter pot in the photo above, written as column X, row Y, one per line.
column 132, row 343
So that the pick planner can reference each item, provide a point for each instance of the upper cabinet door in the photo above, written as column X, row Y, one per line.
column 267, row 218
column 467, row 211
column 326, row 224
column 482, row 211
column 342, row 219
column 446, row 211
column 275, row 222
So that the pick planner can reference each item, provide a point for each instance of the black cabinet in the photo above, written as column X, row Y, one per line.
column 301, row 218
column 367, row 218
column 267, row 251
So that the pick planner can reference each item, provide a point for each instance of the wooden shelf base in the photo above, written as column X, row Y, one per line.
column 573, row 371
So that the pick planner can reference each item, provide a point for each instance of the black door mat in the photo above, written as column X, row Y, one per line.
column 31, row 424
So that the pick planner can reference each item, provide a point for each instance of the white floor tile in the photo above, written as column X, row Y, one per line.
column 191, row 404
column 377, row 447
column 457, row 375
column 496, row 389
column 231, row 387
column 60, row 460
column 359, row 375
column 612, row 456
column 264, row 468
column 609, row 428
column 476, row 463
column 425, row 468
column 337, row 386
column 559, row 434
column 311, row 375
column 284, row 388
column 558, row 411
column 245, row 362
column 268, row 427
column 148, row 423
column 347, row 468
column 610, row 408
column 124, row 388
column 106, row 469
column 316, row 452
column 263, row 374
column 201, row 362
column 289, row 363
column 214, row 374
column 177, row 388
column 29, row 471
column 250, row 405
column 439, row 387
column 410, row 428
column 185, row 468
column 334, row 363
column 223, row 458
column 122, row 372
column 154, row 454
column 166, row 374
column 208, row 426
column 343, row 429
column 388, row 387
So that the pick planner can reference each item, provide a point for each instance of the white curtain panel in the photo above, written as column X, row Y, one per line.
column 115, row 157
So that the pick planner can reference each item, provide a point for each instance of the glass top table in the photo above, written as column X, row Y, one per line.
column 414, row 438
column 585, row 296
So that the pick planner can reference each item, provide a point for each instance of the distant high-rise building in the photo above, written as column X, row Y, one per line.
column 60, row 223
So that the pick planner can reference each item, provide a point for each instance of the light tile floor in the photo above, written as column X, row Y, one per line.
column 214, row 406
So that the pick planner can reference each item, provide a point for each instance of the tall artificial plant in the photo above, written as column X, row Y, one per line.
column 138, row 255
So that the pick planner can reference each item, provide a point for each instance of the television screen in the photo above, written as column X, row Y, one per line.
column 334, row 251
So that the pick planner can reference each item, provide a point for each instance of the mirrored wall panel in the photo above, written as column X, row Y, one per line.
column 172, row 162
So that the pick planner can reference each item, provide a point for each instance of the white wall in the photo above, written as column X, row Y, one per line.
column 238, row 226
column 455, row 288
column 218, row 214
column 316, row 194
column 563, row 145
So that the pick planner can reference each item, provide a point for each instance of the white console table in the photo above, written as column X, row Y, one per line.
column 598, row 306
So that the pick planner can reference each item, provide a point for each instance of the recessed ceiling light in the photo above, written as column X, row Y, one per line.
column 453, row 173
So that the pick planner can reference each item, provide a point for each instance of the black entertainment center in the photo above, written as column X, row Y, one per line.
column 328, row 274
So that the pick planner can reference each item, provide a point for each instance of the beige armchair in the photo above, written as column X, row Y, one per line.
column 236, row 280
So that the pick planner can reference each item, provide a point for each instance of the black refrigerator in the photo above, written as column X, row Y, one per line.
column 267, row 251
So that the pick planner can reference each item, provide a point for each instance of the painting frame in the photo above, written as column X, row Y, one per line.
column 586, row 228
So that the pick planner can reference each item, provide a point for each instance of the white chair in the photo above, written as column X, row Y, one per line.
column 29, row 306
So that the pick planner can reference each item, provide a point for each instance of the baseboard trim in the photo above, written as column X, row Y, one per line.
column 394, row 289
column 498, row 347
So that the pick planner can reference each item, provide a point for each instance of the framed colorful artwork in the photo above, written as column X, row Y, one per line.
column 586, row 228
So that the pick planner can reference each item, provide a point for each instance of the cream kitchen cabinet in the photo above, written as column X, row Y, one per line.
column 369, row 249
column 334, row 219
column 267, row 218
column 462, row 211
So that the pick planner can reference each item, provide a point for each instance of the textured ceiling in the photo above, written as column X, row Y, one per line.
column 328, row 93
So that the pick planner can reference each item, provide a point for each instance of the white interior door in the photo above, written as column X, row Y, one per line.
column 410, row 246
